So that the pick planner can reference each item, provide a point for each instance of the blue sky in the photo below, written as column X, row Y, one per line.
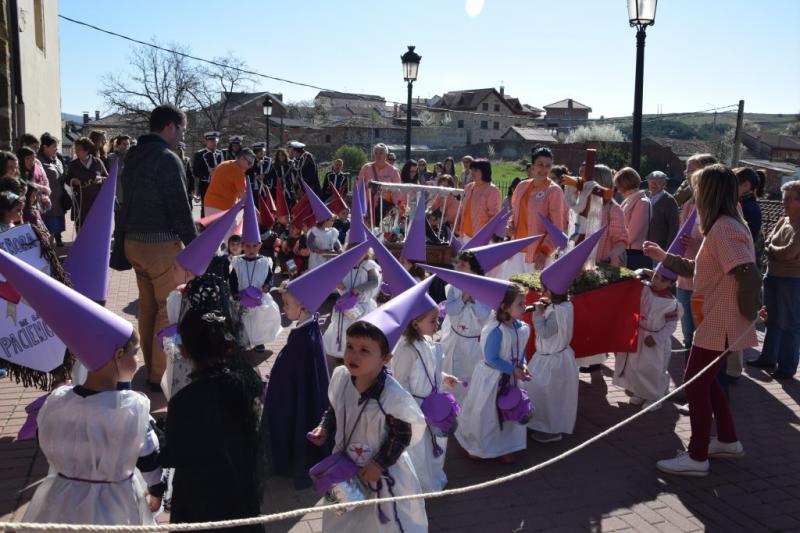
column 699, row 54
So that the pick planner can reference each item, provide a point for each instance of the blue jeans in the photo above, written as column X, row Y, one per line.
column 687, row 320
column 782, row 342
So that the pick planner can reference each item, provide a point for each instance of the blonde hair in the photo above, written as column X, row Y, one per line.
column 627, row 179
column 792, row 187
column 604, row 176
column 717, row 195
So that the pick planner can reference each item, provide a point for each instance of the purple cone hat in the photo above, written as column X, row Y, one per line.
column 491, row 255
column 484, row 235
column 394, row 275
column 414, row 247
column 500, row 228
column 318, row 207
column 196, row 257
column 250, row 232
column 559, row 238
column 90, row 331
column 87, row 263
column 455, row 244
column 488, row 291
column 361, row 192
column 677, row 247
column 393, row 317
column 558, row 277
column 357, row 232
column 313, row 287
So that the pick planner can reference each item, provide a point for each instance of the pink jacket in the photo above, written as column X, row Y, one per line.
column 484, row 203
column 549, row 203
column 450, row 211
column 636, row 209
column 615, row 234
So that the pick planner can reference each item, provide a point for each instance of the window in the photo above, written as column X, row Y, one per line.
column 484, row 125
column 377, row 133
column 327, row 138
column 517, row 124
column 496, row 126
column 38, row 23
column 496, row 108
column 485, row 106
column 460, row 123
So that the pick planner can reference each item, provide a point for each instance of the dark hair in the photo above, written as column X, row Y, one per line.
column 164, row 115
column 282, row 151
column 514, row 290
column 205, row 335
column 405, row 172
column 119, row 138
column 361, row 329
column 12, row 184
column 47, row 140
column 555, row 298
column 448, row 178
column 23, row 152
column 474, row 265
column 8, row 199
column 96, row 136
column 516, row 181
column 484, row 166
column 540, row 151
column 717, row 195
column 411, row 334
column 560, row 170
column 235, row 238
column 747, row 174
column 26, row 138
column 452, row 164
column 84, row 143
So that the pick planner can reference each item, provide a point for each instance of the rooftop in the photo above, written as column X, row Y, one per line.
column 349, row 96
column 531, row 134
column 564, row 104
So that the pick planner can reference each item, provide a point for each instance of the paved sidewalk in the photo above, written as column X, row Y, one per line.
column 610, row 486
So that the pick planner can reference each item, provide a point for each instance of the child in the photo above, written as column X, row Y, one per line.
column 413, row 269
column 462, row 327
column 322, row 240
column 234, row 245
column 94, row 436
column 481, row 432
column 342, row 224
column 298, row 383
column 417, row 366
column 645, row 373
column 10, row 209
column 295, row 249
column 374, row 419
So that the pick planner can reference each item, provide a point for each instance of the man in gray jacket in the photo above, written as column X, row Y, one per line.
column 157, row 224
column 665, row 217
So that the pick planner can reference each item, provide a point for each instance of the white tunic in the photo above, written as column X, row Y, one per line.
column 553, row 388
column 366, row 435
column 96, row 442
column 461, row 344
column 334, row 337
column 479, row 431
column 176, row 375
column 324, row 239
column 261, row 324
column 417, row 367
column 645, row 373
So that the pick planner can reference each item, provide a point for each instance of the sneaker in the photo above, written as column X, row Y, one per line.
column 725, row 450
column 648, row 406
column 540, row 436
column 758, row 363
column 683, row 465
column 260, row 348
column 635, row 400
column 684, row 409
column 507, row 459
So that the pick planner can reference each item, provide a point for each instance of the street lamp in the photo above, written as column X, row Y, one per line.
column 641, row 13
column 410, row 61
column 266, row 107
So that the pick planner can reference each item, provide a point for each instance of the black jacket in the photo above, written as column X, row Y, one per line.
column 665, row 221
column 155, row 205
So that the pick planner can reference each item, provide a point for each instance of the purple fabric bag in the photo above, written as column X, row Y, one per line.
column 336, row 478
column 346, row 302
column 441, row 410
column 30, row 427
column 513, row 404
column 250, row 297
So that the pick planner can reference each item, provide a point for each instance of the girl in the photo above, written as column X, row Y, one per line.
column 212, row 427
column 363, row 281
column 553, row 388
column 462, row 327
column 322, row 239
column 611, row 248
column 417, row 366
column 86, row 174
column 294, row 248
column 503, row 339
column 408, row 174
column 10, row 210
column 261, row 318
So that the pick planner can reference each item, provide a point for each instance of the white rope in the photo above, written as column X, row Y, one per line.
column 277, row 517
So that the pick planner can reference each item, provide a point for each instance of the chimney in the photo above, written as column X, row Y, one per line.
column 96, row 115
column 502, row 91
column 396, row 110
column 569, row 108
column 85, row 117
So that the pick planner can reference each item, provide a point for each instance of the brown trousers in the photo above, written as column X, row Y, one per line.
column 153, row 263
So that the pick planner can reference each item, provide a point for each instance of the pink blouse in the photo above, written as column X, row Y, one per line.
column 636, row 209
column 615, row 233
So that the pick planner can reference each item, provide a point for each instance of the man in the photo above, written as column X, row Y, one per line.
column 204, row 163
column 391, row 158
column 229, row 182
column 304, row 168
column 180, row 151
column 234, row 147
column 466, row 175
column 157, row 224
column 381, row 170
column 665, row 217
column 696, row 162
column 119, row 149
column 260, row 168
column 335, row 179
column 422, row 172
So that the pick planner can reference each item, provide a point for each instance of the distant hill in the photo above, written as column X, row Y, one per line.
column 72, row 118
column 701, row 126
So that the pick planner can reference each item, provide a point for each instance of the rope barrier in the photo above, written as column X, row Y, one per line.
column 296, row 513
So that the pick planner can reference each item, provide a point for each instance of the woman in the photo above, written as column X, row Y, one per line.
column 782, row 290
column 99, row 141
column 448, row 205
column 86, row 175
column 408, row 174
column 438, row 170
column 481, row 200
column 54, row 170
column 726, row 295
column 751, row 188
column 636, row 210
column 280, row 170
column 449, row 167
column 37, row 197
column 611, row 248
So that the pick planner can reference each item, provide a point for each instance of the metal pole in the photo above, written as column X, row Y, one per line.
column 636, row 141
column 408, row 124
column 267, row 135
column 737, row 137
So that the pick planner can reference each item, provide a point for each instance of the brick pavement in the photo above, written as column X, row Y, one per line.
column 611, row 486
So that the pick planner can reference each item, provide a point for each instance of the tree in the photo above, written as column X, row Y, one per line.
column 792, row 129
column 354, row 157
column 595, row 132
column 214, row 82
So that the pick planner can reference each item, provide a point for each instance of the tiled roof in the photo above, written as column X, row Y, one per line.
column 531, row 134
column 349, row 96
column 564, row 104
column 771, row 213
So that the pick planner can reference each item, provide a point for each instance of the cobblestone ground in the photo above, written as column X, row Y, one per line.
column 610, row 486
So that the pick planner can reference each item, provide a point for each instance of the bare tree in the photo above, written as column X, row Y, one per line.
column 209, row 97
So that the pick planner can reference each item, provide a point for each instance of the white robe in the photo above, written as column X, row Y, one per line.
column 417, row 367
column 366, row 437
column 261, row 324
column 479, row 431
column 96, row 438
column 461, row 343
column 645, row 373
column 176, row 375
column 324, row 239
column 334, row 336
column 553, row 388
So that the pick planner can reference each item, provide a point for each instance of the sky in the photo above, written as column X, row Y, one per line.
column 700, row 54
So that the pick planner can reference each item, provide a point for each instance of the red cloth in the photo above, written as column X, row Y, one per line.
column 606, row 319
column 281, row 208
column 265, row 216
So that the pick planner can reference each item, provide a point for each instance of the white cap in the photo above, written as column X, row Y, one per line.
column 297, row 144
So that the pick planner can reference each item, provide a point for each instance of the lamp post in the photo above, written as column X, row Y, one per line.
column 641, row 13
column 410, row 67
column 266, row 107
